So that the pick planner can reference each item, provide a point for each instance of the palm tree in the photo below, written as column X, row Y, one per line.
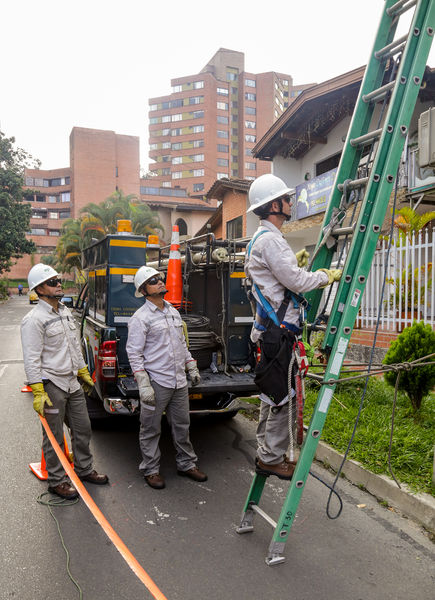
column 409, row 222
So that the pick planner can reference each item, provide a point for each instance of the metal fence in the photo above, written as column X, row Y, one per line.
column 409, row 287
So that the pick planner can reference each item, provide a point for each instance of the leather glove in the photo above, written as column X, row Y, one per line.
column 146, row 391
column 40, row 398
column 333, row 275
column 302, row 257
column 85, row 380
column 192, row 371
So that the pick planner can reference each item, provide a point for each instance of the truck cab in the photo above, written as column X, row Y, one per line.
column 215, row 308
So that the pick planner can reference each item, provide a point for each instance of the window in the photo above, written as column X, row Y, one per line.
column 154, row 146
column 222, row 134
column 250, row 97
column 176, row 88
column 328, row 164
column 65, row 196
column 198, row 114
column 36, row 231
column 248, row 151
column 249, row 178
column 166, row 118
column 177, row 160
column 166, row 145
column 176, row 146
column 198, row 129
column 222, row 120
column 249, row 110
column 166, row 171
column 222, row 162
column 198, row 187
column 234, row 172
column 197, row 157
column 250, row 83
column 235, row 228
column 196, row 99
column 198, row 143
column 166, row 132
column 231, row 76
column 234, row 118
column 177, row 175
column 250, row 138
column 198, row 172
column 197, row 85
column 221, row 175
column 250, row 124
column 222, row 148
column 234, row 90
column 222, row 105
column 166, row 158
column 222, row 91
column 182, row 226
column 234, row 131
column 176, row 103
column 52, row 199
column 64, row 214
column 176, row 132
column 176, row 117
column 166, row 184
column 166, row 105
column 235, row 104
column 54, row 232
column 154, row 120
column 51, row 215
column 250, row 166
column 234, row 146
column 285, row 82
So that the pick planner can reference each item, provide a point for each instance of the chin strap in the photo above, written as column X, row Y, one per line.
column 51, row 297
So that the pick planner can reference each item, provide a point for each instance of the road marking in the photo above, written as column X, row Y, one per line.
column 2, row 370
column 11, row 361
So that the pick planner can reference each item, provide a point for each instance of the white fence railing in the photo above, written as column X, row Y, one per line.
column 410, row 284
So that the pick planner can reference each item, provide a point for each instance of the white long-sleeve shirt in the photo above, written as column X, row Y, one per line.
column 273, row 267
column 156, row 344
column 51, row 348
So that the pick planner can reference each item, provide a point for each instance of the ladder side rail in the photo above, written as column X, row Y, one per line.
column 386, row 162
column 341, row 340
column 351, row 157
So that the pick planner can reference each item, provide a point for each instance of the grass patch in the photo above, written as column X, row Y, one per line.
column 413, row 441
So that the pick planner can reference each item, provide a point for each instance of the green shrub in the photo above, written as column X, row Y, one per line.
column 414, row 342
column 3, row 289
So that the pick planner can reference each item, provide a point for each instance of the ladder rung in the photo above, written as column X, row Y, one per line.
column 379, row 93
column 338, row 231
column 400, row 7
column 367, row 138
column 265, row 516
column 356, row 183
column 318, row 327
column 392, row 48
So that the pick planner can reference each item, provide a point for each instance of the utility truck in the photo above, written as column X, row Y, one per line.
column 214, row 305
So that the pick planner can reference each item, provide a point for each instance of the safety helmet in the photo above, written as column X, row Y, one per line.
column 265, row 189
column 40, row 273
column 142, row 275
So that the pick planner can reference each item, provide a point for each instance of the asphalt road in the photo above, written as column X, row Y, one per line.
column 184, row 536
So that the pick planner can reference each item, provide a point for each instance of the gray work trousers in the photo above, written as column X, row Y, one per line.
column 176, row 404
column 71, row 408
column 273, row 433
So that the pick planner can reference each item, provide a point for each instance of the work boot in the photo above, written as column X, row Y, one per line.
column 94, row 477
column 64, row 490
column 283, row 470
column 194, row 474
column 155, row 480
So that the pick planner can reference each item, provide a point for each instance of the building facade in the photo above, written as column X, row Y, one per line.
column 206, row 128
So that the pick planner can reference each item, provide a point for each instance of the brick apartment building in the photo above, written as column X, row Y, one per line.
column 206, row 128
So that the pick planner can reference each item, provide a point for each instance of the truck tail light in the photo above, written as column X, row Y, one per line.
column 106, row 364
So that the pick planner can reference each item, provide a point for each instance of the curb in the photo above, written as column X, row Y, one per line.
column 418, row 507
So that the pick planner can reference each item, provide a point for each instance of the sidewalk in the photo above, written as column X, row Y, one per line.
column 418, row 507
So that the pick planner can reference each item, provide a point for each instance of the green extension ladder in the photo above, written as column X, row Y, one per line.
column 365, row 179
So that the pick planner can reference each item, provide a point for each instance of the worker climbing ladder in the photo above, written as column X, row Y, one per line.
column 364, row 180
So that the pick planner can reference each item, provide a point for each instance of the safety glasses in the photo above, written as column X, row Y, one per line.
column 154, row 280
column 53, row 282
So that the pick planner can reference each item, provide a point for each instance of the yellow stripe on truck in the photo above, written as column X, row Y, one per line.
column 129, row 243
column 122, row 271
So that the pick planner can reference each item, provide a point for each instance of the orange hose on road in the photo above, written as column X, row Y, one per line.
column 134, row 565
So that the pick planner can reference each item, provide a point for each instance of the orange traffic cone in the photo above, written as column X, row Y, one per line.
column 40, row 469
column 174, row 280
column 26, row 388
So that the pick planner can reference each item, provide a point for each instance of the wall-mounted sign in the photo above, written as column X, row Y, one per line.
column 312, row 196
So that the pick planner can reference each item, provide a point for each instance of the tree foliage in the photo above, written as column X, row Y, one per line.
column 409, row 222
column 414, row 342
column 14, row 214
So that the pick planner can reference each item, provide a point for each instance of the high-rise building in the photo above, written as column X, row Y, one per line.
column 205, row 129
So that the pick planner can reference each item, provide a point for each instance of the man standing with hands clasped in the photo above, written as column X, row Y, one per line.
column 159, row 358
column 278, row 280
column 54, row 365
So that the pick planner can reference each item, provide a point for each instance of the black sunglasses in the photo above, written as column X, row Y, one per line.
column 154, row 280
column 53, row 282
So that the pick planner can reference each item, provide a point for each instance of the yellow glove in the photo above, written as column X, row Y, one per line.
column 40, row 398
column 86, row 380
column 333, row 275
column 302, row 257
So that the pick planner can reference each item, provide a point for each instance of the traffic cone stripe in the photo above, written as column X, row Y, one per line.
column 174, row 279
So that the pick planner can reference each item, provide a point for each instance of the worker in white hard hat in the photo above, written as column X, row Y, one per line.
column 278, row 282
column 55, row 370
column 159, row 359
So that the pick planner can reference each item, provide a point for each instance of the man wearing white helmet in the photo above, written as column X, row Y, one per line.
column 54, row 365
column 159, row 358
column 278, row 281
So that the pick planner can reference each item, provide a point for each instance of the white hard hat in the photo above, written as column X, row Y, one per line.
column 265, row 189
column 40, row 273
column 142, row 275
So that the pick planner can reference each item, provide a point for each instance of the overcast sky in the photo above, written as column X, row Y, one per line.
column 95, row 63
